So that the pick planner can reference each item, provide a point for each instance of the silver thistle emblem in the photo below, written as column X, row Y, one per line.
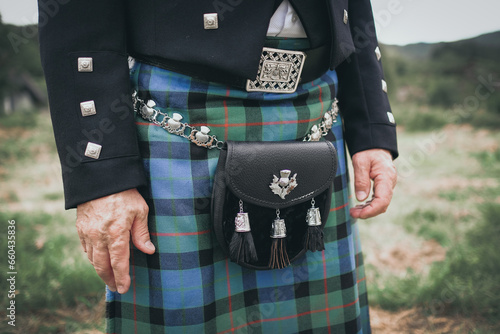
column 284, row 185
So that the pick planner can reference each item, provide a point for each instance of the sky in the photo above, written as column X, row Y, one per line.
column 398, row 21
column 411, row 21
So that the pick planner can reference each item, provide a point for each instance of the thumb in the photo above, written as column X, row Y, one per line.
column 362, row 182
column 140, row 235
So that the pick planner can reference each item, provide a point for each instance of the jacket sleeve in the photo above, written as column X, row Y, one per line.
column 83, row 51
column 368, row 119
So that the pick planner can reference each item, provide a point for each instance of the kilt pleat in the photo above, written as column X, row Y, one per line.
column 189, row 285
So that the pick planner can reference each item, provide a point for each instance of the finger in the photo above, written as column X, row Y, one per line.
column 362, row 182
column 140, row 234
column 382, row 196
column 355, row 212
column 102, row 266
column 119, row 253
column 369, row 210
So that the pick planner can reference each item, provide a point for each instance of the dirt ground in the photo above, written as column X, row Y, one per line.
column 414, row 322
column 411, row 321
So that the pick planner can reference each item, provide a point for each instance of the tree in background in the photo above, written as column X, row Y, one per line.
column 19, row 62
column 4, row 45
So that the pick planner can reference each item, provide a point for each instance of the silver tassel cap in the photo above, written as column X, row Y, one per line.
column 313, row 217
column 242, row 222
column 278, row 229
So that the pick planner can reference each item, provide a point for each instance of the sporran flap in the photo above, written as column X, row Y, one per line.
column 279, row 174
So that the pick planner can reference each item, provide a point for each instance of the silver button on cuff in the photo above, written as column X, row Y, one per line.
column 378, row 53
column 85, row 64
column 93, row 150
column 346, row 16
column 88, row 108
column 391, row 117
column 210, row 21
column 384, row 85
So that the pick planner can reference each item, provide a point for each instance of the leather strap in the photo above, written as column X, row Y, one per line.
column 316, row 63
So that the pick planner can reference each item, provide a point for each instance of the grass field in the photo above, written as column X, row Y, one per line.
column 435, row 249
column 431, row 260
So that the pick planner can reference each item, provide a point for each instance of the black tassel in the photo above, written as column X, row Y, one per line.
column 279, row 256
column 242, row 248
column 314, row 241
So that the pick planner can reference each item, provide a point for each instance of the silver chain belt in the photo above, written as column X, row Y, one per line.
column 201, row 137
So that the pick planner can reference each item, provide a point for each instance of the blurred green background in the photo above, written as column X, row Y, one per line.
column 432, row 261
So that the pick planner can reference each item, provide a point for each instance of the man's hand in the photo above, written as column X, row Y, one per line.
column 105, row 226
column 376, row 165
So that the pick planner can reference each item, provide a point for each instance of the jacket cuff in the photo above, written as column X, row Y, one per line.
column 88, row 180
column 372, row 136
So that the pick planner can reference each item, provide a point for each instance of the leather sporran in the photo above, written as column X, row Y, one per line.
column 271, row 200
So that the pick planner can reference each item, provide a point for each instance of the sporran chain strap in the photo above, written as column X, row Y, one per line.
column 201, row 137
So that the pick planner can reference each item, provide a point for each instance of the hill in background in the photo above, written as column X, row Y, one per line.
column 463, row 76
column 487, row 45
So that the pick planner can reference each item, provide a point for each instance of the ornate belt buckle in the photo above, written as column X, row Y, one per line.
column 279, row 71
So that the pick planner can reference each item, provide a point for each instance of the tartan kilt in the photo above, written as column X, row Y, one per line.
column 189, row 285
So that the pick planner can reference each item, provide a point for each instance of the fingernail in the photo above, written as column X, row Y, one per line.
column 360, row 195
column 112, row 288
column 121, row 289
column 149, row 245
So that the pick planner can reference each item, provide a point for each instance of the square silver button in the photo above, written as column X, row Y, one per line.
column 85, row 64
column 384, row 85
column 378, row 53
column 210, row 21
column 391, row 117
column 93, row 150
column 88, row 108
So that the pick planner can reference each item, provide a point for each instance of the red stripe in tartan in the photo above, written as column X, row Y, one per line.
column 245, row 124
column 179, row 234
column 290, row 316
column 339, row 207
column 143, row 123
column 261, row 123
column 229, row 293
column 320, row 98
column 326, row 290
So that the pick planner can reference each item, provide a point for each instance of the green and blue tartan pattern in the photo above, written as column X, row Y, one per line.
column 188, row 285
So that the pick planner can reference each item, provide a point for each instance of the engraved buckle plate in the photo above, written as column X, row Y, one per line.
column 279, row 71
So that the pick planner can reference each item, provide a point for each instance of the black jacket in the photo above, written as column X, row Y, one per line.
column 110, row 30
